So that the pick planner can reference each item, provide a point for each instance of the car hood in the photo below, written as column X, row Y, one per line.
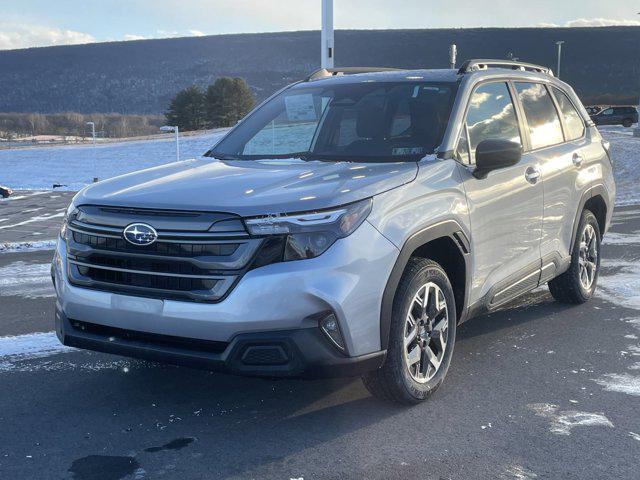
column 248, row 188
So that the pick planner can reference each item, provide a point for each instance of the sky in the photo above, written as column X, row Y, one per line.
column 35, row 23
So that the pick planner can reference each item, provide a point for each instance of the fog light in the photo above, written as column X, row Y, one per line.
column 329, row 325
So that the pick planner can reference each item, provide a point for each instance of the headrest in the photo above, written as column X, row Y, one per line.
column 370, row 121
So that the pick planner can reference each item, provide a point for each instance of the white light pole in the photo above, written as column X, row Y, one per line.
column 326, row 37
column 559, row 44
column 453, row 55
column 93, row 136
column 636, row 132
column 173, row 128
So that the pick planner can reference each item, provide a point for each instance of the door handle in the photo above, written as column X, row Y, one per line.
column 532, row 174
column 577, row 159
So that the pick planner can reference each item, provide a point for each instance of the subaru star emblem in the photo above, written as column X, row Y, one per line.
column 140, row 234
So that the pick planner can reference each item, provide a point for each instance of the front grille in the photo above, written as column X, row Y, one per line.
column 161, row 248
column 197, row 256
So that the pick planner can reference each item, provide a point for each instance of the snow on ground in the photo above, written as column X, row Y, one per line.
column 562, row 422
column 625, row 151
column 32, row 345
column 75, row 166
column 7, row 247
column 28, row 280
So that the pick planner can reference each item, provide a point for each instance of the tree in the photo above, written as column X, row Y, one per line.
column 227, row 101
column 187, row 109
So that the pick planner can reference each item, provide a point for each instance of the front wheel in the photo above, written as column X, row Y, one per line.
column 421, row 337
column 578, row 283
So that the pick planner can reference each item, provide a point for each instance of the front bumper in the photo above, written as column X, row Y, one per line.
column 277, row 303
column 293, row 353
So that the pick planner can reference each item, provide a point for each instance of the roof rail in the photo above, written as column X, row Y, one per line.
column 332, row 72
column 483, row 64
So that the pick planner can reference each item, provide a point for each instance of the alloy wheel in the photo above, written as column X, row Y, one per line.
column 588, row 259
column 426, row 332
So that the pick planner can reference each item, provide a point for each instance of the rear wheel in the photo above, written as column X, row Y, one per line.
column 578, row 283
column 627, row 122
column 421, row 337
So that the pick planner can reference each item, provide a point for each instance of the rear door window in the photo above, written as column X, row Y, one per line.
column 544, row 124
column 572, row 120
column 491, row 115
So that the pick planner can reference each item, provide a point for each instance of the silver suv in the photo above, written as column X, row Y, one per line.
column 345, row 227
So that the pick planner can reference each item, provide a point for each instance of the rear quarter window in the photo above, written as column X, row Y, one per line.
column 544, row 124
column 573, row 123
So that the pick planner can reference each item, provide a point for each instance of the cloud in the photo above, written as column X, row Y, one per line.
column 132, row 36
column 601, row 22
column 176, row 33
column 24, row 35
column 592, row 22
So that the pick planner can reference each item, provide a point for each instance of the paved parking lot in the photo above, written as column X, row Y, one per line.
column 536, row 390
column 32, row 216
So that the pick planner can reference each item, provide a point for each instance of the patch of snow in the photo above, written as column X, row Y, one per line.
column 38, row 218
column 75, row 166
column 563, row 421
column 518, row 472
column 613, row 238
column 29, row 280
column 7, row 247
column 23, row 196
column 622, row 287
column 30, row 346
column 635, row 436
column 626, row 213
column 621, row 383
column 21, row 365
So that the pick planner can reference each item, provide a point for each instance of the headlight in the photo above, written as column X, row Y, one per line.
column 69, row 215
column 310, row 234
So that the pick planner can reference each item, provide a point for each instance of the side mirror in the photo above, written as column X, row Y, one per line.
column 494, row 154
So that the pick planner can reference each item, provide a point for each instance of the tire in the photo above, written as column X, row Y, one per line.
column 627, row 123
column 568, row 287
column 395, row 381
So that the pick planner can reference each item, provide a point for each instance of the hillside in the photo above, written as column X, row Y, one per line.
column 141, row 76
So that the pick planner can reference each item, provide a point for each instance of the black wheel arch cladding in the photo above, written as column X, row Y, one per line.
column 447, row 234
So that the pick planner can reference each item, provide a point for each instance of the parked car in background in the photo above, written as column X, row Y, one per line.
column 5, row 191
column 616, row 115
column 594, row 109
column 345, row 227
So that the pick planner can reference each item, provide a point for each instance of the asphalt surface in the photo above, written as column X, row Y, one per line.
column 536, row 390
column 31, row 216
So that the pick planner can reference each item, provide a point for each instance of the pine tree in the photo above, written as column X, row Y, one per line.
column 227, row 101
column 187, row 109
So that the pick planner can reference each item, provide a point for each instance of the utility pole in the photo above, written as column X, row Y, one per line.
column 453, row 55
column 559, row 44
column 93, row 136
column 173, row 128
column 326, row 37
column 636, row 132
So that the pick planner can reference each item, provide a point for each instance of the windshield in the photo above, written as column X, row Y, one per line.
column 369, row 121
